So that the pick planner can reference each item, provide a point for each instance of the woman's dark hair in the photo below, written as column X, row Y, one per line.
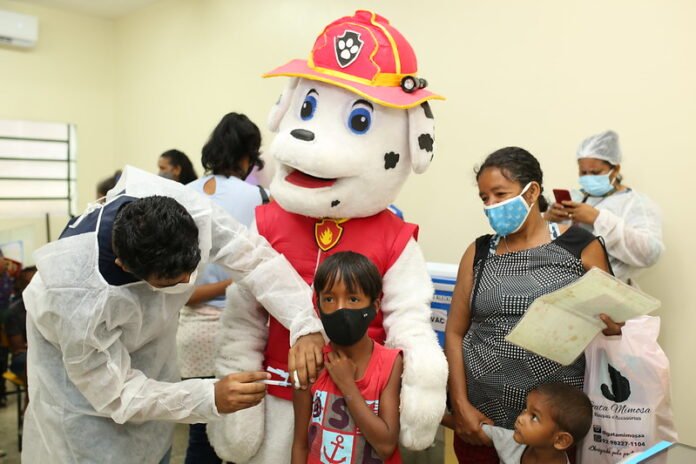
column 156, row 237
column 179, row 159
column 107, row 184
column 353, row 269
column 517, row 165
column 234, row 139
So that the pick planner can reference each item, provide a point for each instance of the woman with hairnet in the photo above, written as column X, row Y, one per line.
column 629, row 222
column 102, row 316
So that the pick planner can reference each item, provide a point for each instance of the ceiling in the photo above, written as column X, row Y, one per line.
column 101, row 8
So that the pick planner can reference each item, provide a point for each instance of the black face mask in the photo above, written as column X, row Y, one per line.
column 346, row 327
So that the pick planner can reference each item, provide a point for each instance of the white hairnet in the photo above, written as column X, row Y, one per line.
column 604, row 146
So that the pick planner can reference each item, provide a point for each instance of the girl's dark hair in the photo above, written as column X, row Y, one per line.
column 234, row 139
column 179, row 159
column 353, row 269
column 517, row 165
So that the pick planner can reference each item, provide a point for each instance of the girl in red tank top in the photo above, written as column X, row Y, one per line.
column 351, row 413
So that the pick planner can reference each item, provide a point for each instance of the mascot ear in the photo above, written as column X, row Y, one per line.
column 421, row 133
column 281, row 107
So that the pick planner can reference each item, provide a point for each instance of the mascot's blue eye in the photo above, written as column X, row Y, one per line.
column 360, row 120
column 309, row 106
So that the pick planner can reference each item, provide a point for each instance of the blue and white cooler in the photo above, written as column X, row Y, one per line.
column 444, row 277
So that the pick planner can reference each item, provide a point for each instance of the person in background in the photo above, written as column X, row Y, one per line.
column 499, row 277
column 629, row 222
column 107, row 184
column 175, row 165
column 16, row 325
column 6, row 290
column 230, row 154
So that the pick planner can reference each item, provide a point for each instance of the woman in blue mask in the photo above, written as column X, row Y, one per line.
column 629, row 222
column 499, row 276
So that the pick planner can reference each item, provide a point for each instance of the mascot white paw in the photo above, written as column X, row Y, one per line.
column 350, row 126
column 237, row 437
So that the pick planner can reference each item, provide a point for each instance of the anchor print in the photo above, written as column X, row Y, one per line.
column 338, row 445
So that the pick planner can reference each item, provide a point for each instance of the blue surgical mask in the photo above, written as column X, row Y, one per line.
column 507, row 217
column 597, row 185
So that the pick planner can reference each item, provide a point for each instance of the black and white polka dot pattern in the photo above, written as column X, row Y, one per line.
column 499, row 374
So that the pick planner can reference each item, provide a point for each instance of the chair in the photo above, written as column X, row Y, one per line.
column 20, row 390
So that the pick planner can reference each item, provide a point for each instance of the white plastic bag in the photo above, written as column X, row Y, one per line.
column 627, row 380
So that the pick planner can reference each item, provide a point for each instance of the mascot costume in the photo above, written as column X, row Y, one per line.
column 351, row 124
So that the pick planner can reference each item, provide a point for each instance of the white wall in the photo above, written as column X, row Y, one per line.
column 67, row 77
column 541, row 75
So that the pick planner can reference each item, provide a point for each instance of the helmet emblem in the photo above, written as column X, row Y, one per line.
column 347, row 48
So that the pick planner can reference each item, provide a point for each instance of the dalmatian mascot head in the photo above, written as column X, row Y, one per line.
column 353, row 121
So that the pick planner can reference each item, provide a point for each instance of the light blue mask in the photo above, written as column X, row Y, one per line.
column 507, row 217
column 597, row 185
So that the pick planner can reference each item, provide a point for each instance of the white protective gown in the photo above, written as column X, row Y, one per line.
column 103, row 378
column 631, row 225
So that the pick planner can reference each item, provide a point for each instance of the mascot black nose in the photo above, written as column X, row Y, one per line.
column 302, row 134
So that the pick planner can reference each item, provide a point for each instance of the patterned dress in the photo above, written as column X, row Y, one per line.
column 499, row 374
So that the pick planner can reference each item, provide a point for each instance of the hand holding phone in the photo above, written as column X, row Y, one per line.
column 561, row 195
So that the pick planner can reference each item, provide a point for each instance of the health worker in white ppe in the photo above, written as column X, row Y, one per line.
column 629, row 222
column 102, row 315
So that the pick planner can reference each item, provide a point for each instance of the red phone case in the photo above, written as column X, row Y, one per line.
column 561, row 195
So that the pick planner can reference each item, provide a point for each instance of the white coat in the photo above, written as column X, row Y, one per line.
column 103, row 378
column 631, row 226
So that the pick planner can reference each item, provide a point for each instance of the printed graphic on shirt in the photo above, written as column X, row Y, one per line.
column 333, row 435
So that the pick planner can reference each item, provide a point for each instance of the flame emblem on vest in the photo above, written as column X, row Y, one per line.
column 328, row 232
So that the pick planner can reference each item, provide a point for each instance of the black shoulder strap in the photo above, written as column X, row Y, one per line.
column 575, row 239
column 483, row 244
column 264, row 195
column 606, row 254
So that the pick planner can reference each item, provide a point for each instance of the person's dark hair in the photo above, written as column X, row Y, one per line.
column 179, row 159
column 107, row 184
column 517, row 165
column 353, row 269
column 235, row 138
column 156, row 237
column 571, row 409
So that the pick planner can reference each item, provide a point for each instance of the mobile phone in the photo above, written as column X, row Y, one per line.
column 561, row 195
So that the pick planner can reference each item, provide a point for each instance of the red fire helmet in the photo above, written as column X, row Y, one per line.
column 363, row 53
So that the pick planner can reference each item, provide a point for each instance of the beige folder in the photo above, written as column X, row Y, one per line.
column 560, row 325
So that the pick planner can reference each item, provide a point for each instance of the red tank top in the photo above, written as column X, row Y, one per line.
column 332, row 435
column 381, row 238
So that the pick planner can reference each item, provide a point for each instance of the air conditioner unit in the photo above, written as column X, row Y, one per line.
column 18, row 30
